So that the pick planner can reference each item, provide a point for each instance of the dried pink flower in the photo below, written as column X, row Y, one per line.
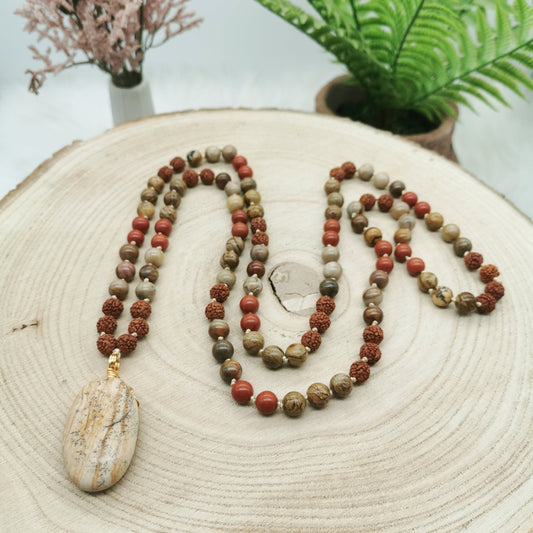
column 114, row 35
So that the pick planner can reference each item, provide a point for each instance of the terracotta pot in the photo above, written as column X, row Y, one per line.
column 332, row 95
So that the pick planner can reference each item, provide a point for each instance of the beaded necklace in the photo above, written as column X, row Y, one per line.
column 101, row 431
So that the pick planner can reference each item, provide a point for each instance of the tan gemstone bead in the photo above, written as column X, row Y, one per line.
column 272, row 357
column 251, row 196
column 156, row 183
column 226, row 276
column 172, row 198
column 341, row 385
column 359, row 223
column 373, row 295
column 232, row 188
column 465, row 303
column 333, row 211
column 146, row 209
column 402, row 235
column 255, row 211
column 230, row 370
column 248, row 184
column 442, row 296
column 178, row 185
column 335, row 198
column 332, row 185
column 145, row 289
column 407, row 221
column 149, row 195
column 293, row 404
column 129, row 252
column 381, row 180
column 434, row 221
column 119, row 288
column 332, row 269
column 169, row 212
column 229, row 260
column 380, row 278
column 372, row 236
column 235, row 244
column 372, row 314
column 234, row 202
column 330, row 253
column 296, row 354
column 259, row 252
column 461, row 246
column 427, row 281
column 154, row 256
column 218, row 328
column 318, row 395
column 365, row 171
column 398, row 209
column 450, row 232
column 253, row 285
column 253, row 341
column 212, row 154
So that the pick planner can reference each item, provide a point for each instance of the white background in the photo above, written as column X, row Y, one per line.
column 241, row 56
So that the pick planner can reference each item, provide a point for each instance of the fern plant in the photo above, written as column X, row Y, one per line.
column 414, row 57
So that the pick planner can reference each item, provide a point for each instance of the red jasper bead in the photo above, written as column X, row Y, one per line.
column 136, row 236
column 239, row 229
column 242, row 391
column 251, row 322
column 382, row 248
column 249, row 304
column 332, row 225
column 385, row 263
column 140, row 223
column 402, row 251
column 421, row 209
column 239, row 216
column 164, row 226
column 245, row 172
column 238, row 161
column 410, row 198
column 415, row 265
column 160, row 240
column 266, row 402
column 330, row 237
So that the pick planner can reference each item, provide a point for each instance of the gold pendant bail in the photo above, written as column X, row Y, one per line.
column 114, row 364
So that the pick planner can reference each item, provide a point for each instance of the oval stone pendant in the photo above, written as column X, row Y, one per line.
column 100, row 434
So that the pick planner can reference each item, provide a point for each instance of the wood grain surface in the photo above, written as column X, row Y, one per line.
column 438, row 439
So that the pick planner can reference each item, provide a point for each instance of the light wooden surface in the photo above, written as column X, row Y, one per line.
column 439, row 438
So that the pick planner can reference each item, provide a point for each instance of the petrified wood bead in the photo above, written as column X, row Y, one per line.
column 100, row 434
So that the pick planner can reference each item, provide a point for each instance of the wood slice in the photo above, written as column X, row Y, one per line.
column 439, row 437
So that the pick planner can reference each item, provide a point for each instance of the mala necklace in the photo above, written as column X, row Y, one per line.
column 102, row 425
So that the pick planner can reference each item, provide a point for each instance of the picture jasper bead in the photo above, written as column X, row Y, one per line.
column 333, row 211
column 252, row 197
column 119, row 288
column 235, row 244
column 272, row 357
column 359, row 223
column 296, row 354
column 293, row 404
column 156, row 183
column 255, row 211
column 154, row 256
column 247, row 184
column 372, row 314
column 169, row 212
column 234, row 202
column 461, row 246
column 178, row 185
column 335, row 198
column 222, row 350
column 372, row 236
column 380, row 278
column 442, row 296
column 332, row 185
column 149, row 272
column 426, row 281
column 172, row 198
column 318, row 395
column 253, row 341
column 341, row 385
column 434, row 221
column 149, row 195
column 329, row 287
column 194, row 158
column 450, row 232
column 218, row 328
column 402, row 235
column 227, row 277
column 230, row 370
column 229, row 259
column 465, row 303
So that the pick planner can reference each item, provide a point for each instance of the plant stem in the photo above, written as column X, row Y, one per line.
column 406, row 33
column 354, row 11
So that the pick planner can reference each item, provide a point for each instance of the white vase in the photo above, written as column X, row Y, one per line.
column 130, row 103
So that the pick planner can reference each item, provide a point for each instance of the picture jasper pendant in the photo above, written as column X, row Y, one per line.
column 101, row 433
